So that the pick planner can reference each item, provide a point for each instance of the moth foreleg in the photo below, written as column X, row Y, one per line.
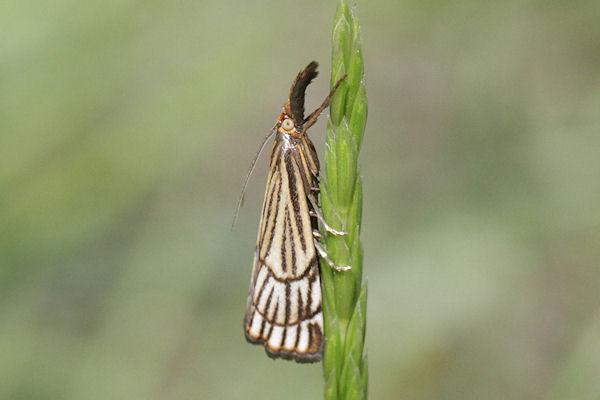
column 324, row 255
column 319, row 215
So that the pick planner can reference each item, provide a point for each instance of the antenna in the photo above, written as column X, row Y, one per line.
column 252, row 165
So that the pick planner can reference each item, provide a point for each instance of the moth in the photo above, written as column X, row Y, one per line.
column 284, row 310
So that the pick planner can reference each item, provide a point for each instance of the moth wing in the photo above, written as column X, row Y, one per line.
column 284, row 303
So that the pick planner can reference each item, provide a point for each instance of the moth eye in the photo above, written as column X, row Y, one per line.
column 287, row 124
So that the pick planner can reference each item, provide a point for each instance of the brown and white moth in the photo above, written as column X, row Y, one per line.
column 284, row 304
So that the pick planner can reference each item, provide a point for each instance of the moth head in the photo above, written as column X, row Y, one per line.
column 292, row 120
column 294, row 108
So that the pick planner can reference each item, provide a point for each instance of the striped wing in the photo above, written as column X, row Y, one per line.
column 284, row 303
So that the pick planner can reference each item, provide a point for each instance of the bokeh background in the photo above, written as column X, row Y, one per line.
column 126, row 128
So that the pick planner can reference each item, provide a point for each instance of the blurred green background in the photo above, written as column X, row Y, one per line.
column 126, row 128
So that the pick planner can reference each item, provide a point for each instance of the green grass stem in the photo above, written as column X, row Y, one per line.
column 345, row 295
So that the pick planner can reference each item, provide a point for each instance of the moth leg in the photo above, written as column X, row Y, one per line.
column 317, row 234
column 319, row 215
column 324, row 255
